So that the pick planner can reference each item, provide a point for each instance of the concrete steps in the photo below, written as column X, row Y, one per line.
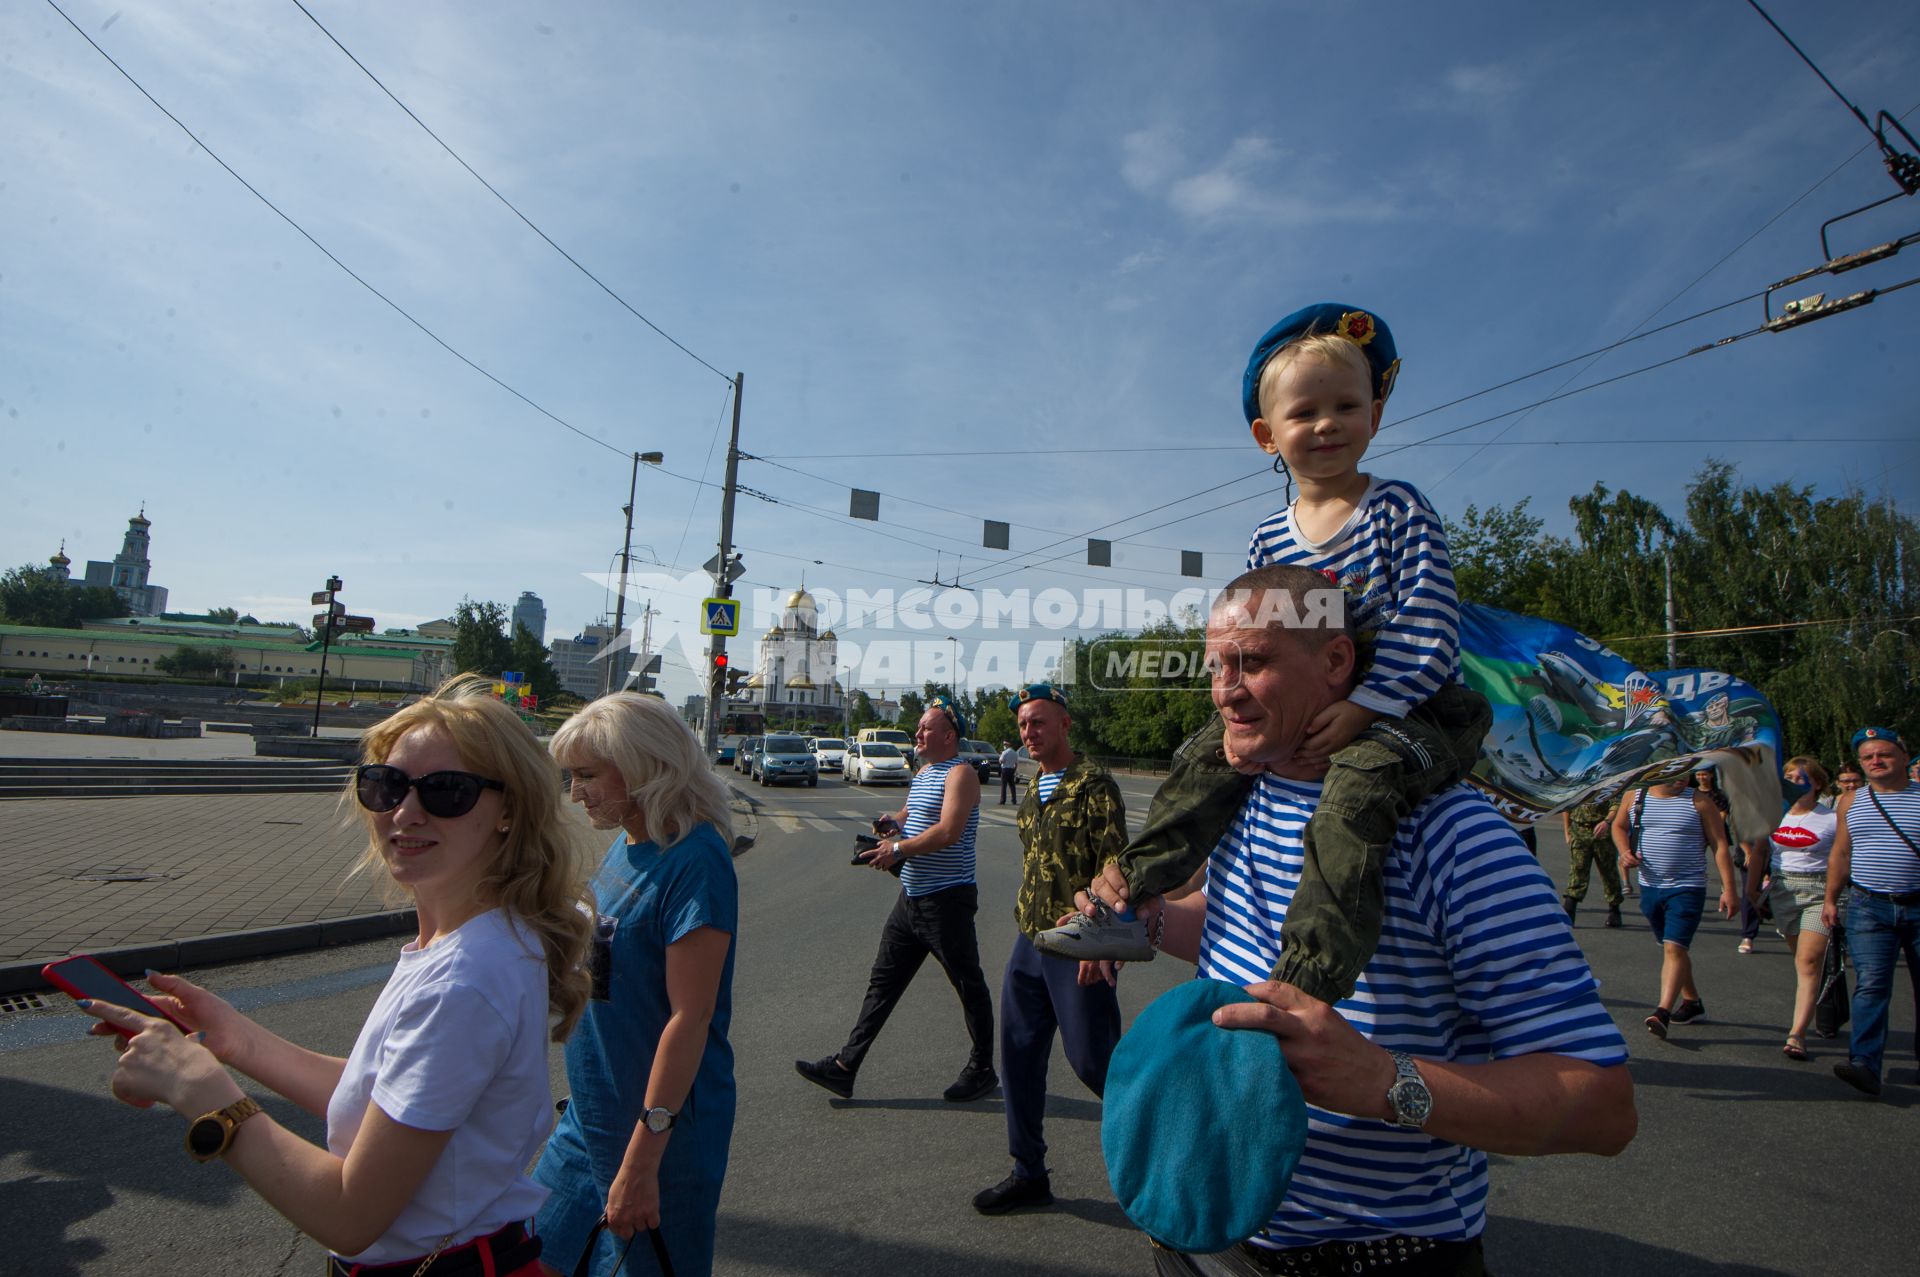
column 142, row 777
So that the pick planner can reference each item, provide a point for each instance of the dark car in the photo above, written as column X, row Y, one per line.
column 782, row 759
column 743, row 757
column 982, row 757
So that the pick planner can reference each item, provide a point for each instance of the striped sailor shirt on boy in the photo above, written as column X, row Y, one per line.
column 933, row 871
column 1391, row 559
column 1880, row 860
column 1476, row 962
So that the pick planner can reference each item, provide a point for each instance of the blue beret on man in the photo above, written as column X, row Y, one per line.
column 1866, row 734
column 1363, row 328
column 1037, row 692
column 947, row 706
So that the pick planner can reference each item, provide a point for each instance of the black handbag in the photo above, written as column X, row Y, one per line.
column 653, row 1234
column 1831, row 1007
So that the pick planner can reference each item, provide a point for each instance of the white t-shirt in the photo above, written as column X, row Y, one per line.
column 457, row 1042
column 1802, row 842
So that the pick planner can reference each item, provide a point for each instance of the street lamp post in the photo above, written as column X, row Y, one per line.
column 956, row 665
column 626, row 549
column 326, row 641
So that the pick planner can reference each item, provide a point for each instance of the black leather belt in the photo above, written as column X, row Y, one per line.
column 510, row 1248
column 1897, row 897
column 1408, row 1255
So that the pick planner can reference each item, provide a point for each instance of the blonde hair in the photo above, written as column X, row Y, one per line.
column 535, row 872
column 1815, row 772
column 1328, row 348
column 668, row 778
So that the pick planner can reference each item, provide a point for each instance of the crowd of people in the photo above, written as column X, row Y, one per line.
column 1315, row 846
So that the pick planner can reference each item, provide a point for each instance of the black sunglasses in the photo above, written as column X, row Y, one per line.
column 443, row 794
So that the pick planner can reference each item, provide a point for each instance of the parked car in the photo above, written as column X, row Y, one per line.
column 832, row 753
column 743, row 758
column 782, row 759
column 982, row 757
column 726, row 750
column 893, row 736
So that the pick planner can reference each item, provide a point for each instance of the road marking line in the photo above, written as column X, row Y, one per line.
column 817, row 823
column 788, row 824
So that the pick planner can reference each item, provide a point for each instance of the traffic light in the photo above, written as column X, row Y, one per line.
column 736, row 681
column 718, row 683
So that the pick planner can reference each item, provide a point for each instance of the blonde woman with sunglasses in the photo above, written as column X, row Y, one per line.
column 444, row 1100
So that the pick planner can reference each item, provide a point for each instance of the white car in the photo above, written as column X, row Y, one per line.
column 877, row 763
column 832, row 753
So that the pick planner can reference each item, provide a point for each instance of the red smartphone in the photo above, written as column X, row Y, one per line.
column 83, row 977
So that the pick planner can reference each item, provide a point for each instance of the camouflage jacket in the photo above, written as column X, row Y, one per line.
column 1583, row 818
column 1066, row 841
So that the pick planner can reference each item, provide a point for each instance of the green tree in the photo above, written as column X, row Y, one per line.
column 860, row 713
column 1500, row 558
column 30, row 596
column 197, row 662
column 996, row 723
column 912, row 706
column 480, row 643
column 527, row 657
column 229, row 615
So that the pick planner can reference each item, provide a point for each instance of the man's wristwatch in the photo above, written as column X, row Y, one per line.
column 1411, row 1101
column 211, row 1135
column 660, row 1119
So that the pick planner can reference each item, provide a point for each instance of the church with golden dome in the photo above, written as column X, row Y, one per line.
column 796, row 672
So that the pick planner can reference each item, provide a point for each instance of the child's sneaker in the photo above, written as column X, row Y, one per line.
column 1105, row 937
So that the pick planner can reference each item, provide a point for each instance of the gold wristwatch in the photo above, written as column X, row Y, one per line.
column 211, row 1135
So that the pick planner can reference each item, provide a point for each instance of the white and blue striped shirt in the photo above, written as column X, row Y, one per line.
column 933, row 871
column 1476, row 962
column 1880, row 860
column 1045, row 784
column 1672, row 846
column 1391, row 559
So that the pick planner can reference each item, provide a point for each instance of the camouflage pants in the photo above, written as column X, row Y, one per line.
column 1333, row 924
column 1584, row 855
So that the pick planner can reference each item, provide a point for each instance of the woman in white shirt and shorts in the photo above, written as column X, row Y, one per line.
column 444, row 1101
column 1800, row 846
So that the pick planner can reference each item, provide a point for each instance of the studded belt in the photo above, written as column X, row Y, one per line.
column 1406, row 1255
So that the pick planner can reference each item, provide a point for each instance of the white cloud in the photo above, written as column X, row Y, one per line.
column 1486, row 84
column 1150, row 157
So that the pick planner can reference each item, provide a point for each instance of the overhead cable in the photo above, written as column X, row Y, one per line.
column 494, row 191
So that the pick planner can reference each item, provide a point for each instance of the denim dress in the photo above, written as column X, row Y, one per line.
column 647, row 899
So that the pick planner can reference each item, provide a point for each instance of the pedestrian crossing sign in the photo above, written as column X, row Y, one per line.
column 720, row 616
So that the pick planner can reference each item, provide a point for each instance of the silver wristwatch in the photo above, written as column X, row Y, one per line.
column 1411, row 1101
column 659, row 1119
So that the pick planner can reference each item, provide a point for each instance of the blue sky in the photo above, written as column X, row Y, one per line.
column 990, row 230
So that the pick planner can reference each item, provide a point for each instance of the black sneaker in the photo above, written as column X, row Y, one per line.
column 1613, row 917
column 1689, row 1009
column 1013, row 1193
column 972, row 1084
column 1858, row 1076
column 1570, row 905
column 828, row 1074
column 1657, row 1022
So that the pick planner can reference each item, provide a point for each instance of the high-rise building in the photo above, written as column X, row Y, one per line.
column 531, row 614
column 573, row 660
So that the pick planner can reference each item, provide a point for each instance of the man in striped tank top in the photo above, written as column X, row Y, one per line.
column 1877, row 854
column 1664, row 835
column 1475, row 1027
column 932, row 851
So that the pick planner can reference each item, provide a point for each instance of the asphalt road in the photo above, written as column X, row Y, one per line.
column 1746, row 1164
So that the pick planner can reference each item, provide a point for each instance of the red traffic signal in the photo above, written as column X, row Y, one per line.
column 719, row 660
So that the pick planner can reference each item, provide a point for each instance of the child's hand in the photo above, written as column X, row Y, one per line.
column 1238, row 763
column 1332, row 728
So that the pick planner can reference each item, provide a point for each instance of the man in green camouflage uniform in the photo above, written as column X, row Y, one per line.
column 1072, row 822
column 1587, row 850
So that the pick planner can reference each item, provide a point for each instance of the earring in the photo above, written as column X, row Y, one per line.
column 505, row 828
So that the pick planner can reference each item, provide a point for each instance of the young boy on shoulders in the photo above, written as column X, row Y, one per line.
column 1314, row 391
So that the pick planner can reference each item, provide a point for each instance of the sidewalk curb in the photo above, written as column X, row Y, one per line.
column 230, row 946
column 746, row 820
column 238, row 946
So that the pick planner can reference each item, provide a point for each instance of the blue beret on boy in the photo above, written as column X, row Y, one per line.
column 1879, row 733
column 1363, row 328
column 1201, row 1126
